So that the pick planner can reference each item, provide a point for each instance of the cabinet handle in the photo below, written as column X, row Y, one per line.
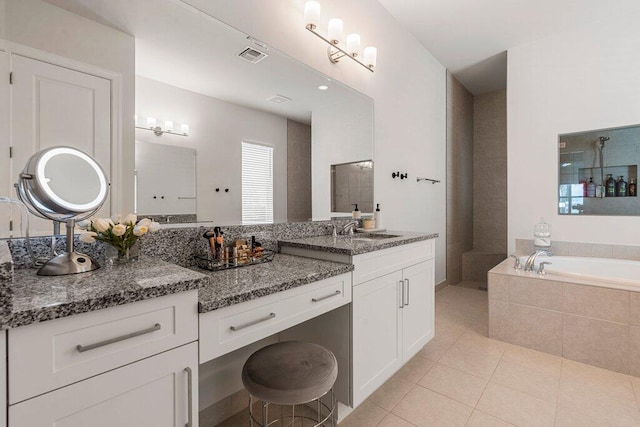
column 325, row 297
column 83, row 348
column 407, row 303
column 401, row 282
column 253, row 322
column 189, row 397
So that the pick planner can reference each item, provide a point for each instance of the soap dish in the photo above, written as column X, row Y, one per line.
column 205, row 262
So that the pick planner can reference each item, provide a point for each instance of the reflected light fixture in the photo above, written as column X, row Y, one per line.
column 323, row 87
column 152, row 125
column 338, row 48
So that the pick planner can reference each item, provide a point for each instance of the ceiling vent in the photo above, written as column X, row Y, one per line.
column 279, row 99
column 252, row 55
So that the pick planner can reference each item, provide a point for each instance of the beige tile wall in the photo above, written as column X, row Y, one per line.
column 459, row 176
column 589, row 324
column 298, row 171
column 582, row 249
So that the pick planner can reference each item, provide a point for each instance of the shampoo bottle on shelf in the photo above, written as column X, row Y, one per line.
column 356, row 212
column 610, row 186
column 591, row 188
column 621, row 187
column 377, row 215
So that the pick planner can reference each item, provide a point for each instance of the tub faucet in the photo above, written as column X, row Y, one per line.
column 528, row 266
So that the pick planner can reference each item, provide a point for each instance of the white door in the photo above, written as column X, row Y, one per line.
column 51, row 106
column 152, row 392
column 377, row 327
column 5, row 180
column 418, row 310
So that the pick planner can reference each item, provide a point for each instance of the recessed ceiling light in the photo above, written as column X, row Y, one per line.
column 323, row 87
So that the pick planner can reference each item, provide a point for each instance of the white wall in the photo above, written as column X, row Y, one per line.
column 408, row 89
column 39, row 25
column 565, row 83
column 216, row 131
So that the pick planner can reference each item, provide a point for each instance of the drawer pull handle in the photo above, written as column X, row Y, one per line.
column 253, row 322
column 336, row 293
column 189, row 397
column 83, row 348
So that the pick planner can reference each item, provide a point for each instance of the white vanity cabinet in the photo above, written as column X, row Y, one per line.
column 393, row 312
column 131, row 365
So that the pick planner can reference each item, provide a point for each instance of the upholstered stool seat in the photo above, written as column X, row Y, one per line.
column 291, row 373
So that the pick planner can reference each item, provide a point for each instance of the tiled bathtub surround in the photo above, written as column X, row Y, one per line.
column 590, row 324
column 178, row 245
column 581, row 249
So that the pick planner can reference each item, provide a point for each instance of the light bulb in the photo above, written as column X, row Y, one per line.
column 370, row 56
column 168, row 126
column 151, row 122
column 312, row 13
column 336, row 30
column 184, row 128
column 353, row 44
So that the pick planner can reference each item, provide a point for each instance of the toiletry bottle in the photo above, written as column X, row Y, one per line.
column 633, row 191
column 356, row 212
column 591, row 188
column 542, row 234
column 622, row 187
column 599, row 191
column 610, row 186
column 584, row 188
column 377, row 215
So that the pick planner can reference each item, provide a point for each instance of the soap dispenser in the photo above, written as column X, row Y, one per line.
column 542, row 234
column 377, row 215
column 356, row 212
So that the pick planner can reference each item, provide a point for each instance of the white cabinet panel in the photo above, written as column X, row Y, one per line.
column 378, row 263
column 418, row 310
column 53, row 105
column 377, row 329
column 153, row 392
column 45, row 356
column 5, row 175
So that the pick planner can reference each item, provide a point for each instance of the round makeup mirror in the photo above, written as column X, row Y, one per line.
column 63, row 184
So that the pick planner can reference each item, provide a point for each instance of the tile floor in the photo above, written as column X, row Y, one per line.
column 463, row 378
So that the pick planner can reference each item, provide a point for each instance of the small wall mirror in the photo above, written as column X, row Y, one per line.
column 598, row 172
column 63, row 184
column 352, row 183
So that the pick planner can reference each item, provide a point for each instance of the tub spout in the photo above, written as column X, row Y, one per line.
column 528, row 266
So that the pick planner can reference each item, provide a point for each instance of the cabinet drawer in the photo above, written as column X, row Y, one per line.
column 230, row 328
column 376, row 264
column 46, row 356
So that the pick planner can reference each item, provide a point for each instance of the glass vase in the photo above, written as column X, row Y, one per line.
column 114, row 255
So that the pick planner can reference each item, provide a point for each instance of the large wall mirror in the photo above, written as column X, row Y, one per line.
column 598, row 172
column 230, row 90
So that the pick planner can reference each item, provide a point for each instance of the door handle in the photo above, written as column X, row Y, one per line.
column 407, row 294
column 82, row 348
column 253, row 322
column 189, row 397
column 336, row 293
column 401, row 283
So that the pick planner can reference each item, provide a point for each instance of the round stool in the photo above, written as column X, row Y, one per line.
column 292, row 373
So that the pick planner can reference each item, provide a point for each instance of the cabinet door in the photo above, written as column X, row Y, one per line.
column 52, row 106
column 418, row 310
column 153, row 392
column 377, row 326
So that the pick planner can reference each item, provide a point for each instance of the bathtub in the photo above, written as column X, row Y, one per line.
column 606, row 272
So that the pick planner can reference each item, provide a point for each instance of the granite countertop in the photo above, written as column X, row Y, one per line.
column 353, row 245
column 234, row 286
column 31, row 298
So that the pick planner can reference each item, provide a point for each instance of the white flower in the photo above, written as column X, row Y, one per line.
column 84, row 224
column 88, row 237
column 140, row 230
column 102, row 224
column 119, row 229
column 154, row 226
column 146, row 222
column 130, row 219
column 116, row 219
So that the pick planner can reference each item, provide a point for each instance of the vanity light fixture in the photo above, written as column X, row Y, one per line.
column 152, row 125
column 338, row 49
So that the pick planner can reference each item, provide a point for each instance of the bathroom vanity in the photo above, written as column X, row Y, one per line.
column 123, row 345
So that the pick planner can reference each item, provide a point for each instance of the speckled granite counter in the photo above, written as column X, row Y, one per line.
column 352, row 245
column 238, row 285
column 31, row 298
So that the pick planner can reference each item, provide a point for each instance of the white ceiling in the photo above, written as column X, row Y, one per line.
column 181, row 46
column 471, row 37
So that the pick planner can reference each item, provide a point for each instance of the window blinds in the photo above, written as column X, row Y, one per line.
column 257, row 183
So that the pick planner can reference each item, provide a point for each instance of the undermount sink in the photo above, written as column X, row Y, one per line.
column 372, row 237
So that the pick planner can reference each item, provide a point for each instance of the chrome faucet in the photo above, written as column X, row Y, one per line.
column 528, row 266
column 349, row 227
